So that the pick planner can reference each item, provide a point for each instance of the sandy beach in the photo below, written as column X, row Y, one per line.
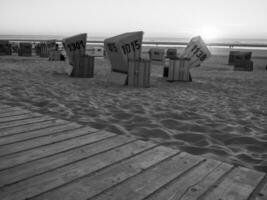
column 222, row 114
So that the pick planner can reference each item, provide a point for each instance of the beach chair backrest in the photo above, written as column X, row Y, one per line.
column 197, row 51
column 123, row 47
column 75, row 46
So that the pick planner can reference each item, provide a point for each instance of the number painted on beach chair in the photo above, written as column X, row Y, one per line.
column 123, row 47
column 132, row 46
column 75, row 46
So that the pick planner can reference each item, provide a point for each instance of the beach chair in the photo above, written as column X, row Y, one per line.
column 43, row 50
column 120, row 49
column 75, row 47
column 241, row 60
column 5, row 48
column 25, row 49
column 157, row 54
column 197, row 51
column 37, row 49
column 237, row 56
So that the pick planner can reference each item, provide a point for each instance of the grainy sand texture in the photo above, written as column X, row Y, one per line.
column 222, row 114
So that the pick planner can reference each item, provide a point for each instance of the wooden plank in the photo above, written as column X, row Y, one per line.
column 37, row 133
column 90, row 186
column 237, row 185
column 30, row 127
column 6, row 110
column 2, row 106
column 262, row 195
column 9, row 109
column 14, row 113
column 45, row 140
column 151, row 180
column 30, row 169
column 48, row 150
column 18, row 117
column 193, row 184
column 47, row 181
column 24, row 122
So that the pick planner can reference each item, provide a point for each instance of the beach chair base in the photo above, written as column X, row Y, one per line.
column 139, row 73
column 178, row 70
column 83, row 66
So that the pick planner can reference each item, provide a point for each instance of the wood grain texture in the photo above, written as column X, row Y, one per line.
column 29, row 127
column 24, row 121
column 149, row 181
column 44, row 140
column 47, row 181
column 262, row 195
column 14, row 113
column 237, row 185
column 104, row 179
column 198, row 180
column 18, row 117
column 36, row 167
column 37, row 133
column 48, row 150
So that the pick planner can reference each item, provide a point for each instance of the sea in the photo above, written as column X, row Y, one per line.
column 258, row 41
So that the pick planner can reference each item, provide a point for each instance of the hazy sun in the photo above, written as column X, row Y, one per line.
column 209, row 33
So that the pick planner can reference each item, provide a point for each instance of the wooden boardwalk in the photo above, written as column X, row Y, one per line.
column 46, row 158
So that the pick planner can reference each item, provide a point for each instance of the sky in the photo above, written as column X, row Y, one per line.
column 157, row 18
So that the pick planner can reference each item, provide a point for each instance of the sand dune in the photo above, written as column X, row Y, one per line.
column 222, row 114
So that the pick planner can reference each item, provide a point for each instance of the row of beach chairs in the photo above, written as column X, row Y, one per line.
column 127, row 62
column 124, row 53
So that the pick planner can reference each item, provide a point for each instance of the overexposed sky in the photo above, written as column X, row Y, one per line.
column 174, row 18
